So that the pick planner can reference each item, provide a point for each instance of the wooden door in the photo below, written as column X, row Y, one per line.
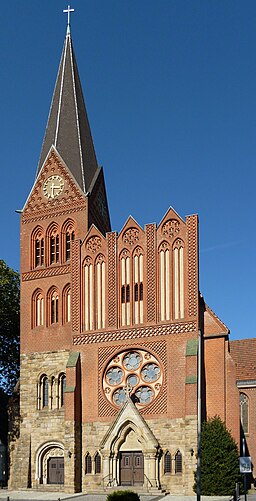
column 56, row 471
column 131, row 468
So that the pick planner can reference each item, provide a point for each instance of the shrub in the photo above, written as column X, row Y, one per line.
column 219, row 460
column 123, row 496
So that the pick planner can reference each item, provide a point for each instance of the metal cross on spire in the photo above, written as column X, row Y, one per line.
column 68, row 11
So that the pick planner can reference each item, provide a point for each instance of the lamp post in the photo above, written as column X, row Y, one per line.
column 199, row 410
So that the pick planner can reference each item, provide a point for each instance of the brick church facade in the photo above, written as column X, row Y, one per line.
column 109, row 329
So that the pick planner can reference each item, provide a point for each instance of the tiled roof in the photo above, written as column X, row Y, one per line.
column 243, row 352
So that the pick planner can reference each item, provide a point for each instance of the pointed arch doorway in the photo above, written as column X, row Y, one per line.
column 130, row 450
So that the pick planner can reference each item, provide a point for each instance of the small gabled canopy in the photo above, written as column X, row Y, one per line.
column 68, row 128
column 128, row 418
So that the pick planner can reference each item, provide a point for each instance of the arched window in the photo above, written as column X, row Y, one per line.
column 45, row 391
column 125, row 265
column 178, row 278
column 178, row 462
column 37, row 309
column 244, row 412
column 138, row 285
column 167, row 462
column 97, row 463
column 164, row 281
column 88, row 464
column 53, row 306
column 100, row 293
column 68, row 235
column 37, row 247
column 88, row 293
column 66, row 304
column 62, row 386
column 53, row 239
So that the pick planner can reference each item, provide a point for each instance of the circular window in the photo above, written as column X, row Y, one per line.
column 133, row 372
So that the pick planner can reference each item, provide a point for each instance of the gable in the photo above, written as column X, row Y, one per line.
column 44, row 202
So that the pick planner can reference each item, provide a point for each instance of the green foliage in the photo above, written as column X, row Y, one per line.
column 9, row 326
column 219, row 460
column 123, row 496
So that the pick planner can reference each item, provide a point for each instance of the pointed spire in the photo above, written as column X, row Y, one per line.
column 68, row 127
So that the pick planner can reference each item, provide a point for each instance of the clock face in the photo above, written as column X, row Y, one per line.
column 53, row 186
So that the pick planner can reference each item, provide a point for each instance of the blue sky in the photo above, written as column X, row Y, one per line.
column 170, row 90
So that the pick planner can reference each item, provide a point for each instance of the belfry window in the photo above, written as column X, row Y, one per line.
column 244, row 412
column 70, row 235
column 37, row 248
column 39, row 254
column 54, row 249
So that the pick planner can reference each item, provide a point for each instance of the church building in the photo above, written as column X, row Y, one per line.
column 110, row 329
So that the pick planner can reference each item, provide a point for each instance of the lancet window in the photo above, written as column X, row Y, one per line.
column 244, row 412
column 88, row 464
column 66, row 303
column 37, row 244
column 37, row 309
column 100, row 282
column 125, row 272
column 68, row 235
column 167, row 463
column 138, row 285
column 97, row 463
column 53, row 306
column 178, row 278
column 178, row 462
column 165, row 281
column 53, row 244
column 61, row 388
column 88, row 293
column 43, row 392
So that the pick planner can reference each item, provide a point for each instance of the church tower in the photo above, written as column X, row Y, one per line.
column 109, row 328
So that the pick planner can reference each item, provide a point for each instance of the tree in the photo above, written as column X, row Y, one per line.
column 9, row 327
column 219, row 460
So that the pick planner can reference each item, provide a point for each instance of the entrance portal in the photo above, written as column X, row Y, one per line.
column 56, row 471
column 131, row 468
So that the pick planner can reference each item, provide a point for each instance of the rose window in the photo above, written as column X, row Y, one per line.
column 136, row 373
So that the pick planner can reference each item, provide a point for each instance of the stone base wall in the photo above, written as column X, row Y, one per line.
column 172, row 435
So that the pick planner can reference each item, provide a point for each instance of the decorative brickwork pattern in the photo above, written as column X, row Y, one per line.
column 112, row 285
column 48, row 272
column 75, row 280
column 118, row 335
column 159, row 406
column 192, row 266
column 151, row 271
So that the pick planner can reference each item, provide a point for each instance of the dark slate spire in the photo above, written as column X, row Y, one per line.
column 68, row 127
